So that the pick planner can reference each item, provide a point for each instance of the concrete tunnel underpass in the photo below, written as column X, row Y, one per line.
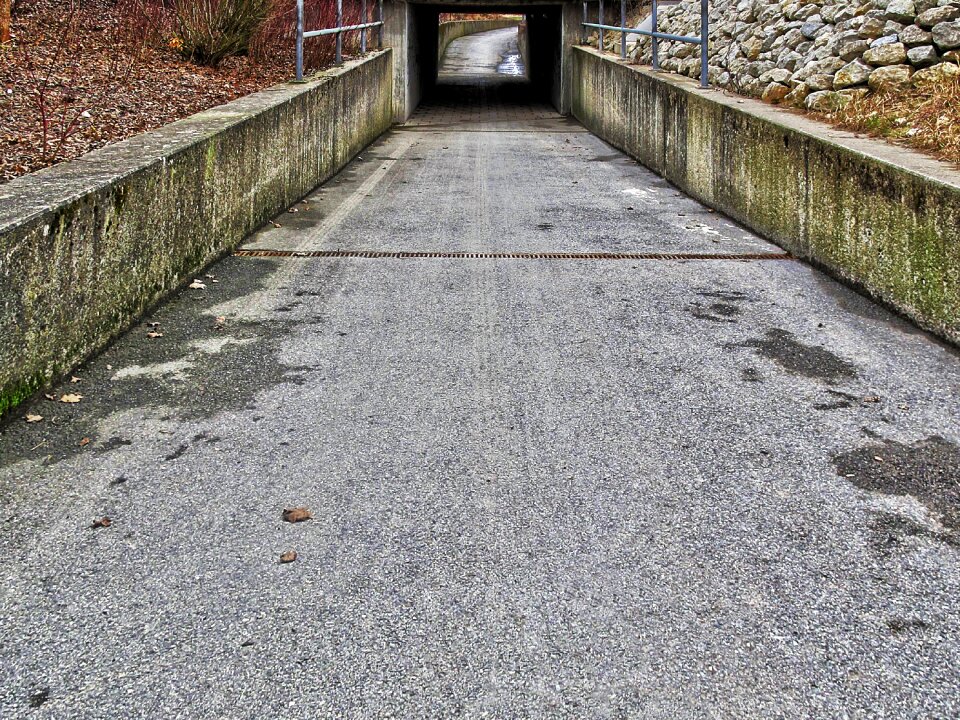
column 571, row 444
column 486, row 70
column 539, row 42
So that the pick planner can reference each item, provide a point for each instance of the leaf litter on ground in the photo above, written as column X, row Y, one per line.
column 295, row 515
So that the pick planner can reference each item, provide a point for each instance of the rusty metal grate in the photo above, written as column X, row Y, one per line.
column 401, row 254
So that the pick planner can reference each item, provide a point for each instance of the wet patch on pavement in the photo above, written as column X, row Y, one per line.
column 38, row 698
column 899, row 626
column 928, row 470
column 728, row 295
column 720, row 305
column 112, row 443
column 198, row 368
column 720, row 312
column 607, row 158
column 891, row 533
column 810, row 361
column 844, row 400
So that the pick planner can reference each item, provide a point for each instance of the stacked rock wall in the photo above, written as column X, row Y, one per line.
column 819, row 54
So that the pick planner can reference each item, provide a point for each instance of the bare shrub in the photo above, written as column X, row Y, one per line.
column 277, row 36
column 207, row 31
column 56, row 86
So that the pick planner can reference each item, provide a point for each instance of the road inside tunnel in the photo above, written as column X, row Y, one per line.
column 491, row 57
column 574, row 445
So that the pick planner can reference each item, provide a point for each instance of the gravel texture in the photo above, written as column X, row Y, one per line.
column 539, row 488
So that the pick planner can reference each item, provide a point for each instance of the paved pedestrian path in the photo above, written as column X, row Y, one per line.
column 573, row 446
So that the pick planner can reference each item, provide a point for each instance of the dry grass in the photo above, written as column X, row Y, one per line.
column 926, row 118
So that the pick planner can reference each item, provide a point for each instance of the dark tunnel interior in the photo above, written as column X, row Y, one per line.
column 540, row 44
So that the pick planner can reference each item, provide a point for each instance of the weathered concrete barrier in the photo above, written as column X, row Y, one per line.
column 450, row 31
column 882, row 218
column 86, row 247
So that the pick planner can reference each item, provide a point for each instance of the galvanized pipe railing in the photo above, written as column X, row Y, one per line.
column 654, row 34
column 338, row 30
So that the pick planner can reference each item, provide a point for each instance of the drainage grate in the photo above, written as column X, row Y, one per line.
column 400, row 254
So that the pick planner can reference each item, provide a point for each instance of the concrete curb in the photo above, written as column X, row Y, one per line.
column 882, row 218
column 87, row 246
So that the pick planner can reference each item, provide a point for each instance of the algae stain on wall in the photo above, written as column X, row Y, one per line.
column 887, row 230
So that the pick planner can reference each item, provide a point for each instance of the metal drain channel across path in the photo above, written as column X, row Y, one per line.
column 401, row 254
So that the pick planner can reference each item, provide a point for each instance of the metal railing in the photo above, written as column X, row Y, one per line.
column 339, row 30
column 654, row 34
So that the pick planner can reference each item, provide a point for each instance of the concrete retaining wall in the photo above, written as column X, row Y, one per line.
column 86, row 247
column 450, row 31
column 882, row 218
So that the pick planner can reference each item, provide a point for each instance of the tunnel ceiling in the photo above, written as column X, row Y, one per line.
column 513, row 6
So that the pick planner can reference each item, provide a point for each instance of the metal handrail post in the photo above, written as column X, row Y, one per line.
column 380, row 28
column 623, row 34
column 704, row 43
column 299, row 41
column 655, row 43
column 600, row 22
column 363, row 33
column 339, row 58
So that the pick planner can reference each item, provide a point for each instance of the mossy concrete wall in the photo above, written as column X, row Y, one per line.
column 450, row 31
column 882, row 218
column 87, row 246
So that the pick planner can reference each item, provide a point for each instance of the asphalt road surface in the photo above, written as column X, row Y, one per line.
column 601, row 453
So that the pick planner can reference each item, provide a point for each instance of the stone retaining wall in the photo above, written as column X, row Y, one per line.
column 815, row 53
column 882, row 218
column 450, row 31
column 87, row 246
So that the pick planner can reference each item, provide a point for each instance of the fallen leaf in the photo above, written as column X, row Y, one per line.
column 152, row 335
column 872, row 399
column 74, row 379
column 33, row 418
column 71, row 398
column 153, row 324
column 878, row 458
column 197, row 285
column 293, row 210
column 101, row 522
column 50, row 396
column 85, row 441
column 276, row 224
column 295, row 515
column 289, row 556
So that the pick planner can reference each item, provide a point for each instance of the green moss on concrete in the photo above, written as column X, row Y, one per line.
column 13, row 395
column 112, row 252
column 889, row 231
column 210, row 163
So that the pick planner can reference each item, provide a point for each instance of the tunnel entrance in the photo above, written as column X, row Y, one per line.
column 482, row 80
column 524, row 65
